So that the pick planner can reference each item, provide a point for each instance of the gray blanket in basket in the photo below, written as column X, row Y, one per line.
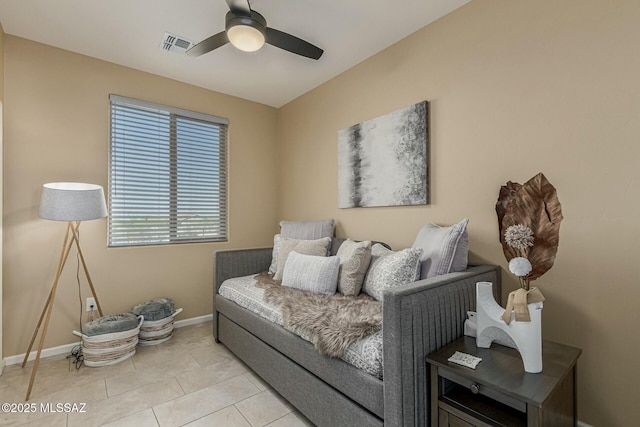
column 110, row 324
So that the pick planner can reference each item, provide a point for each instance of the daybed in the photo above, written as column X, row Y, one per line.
column 418, row 318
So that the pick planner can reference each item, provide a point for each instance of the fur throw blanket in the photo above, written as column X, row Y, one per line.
column 331, row 322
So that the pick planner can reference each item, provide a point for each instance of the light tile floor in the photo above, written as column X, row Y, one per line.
column 187, row 381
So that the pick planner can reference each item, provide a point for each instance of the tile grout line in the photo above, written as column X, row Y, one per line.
column 182, row 387
column 155, row 416
column 277, row 419
column 241, row 414
column 254, row 395
column 139, row 363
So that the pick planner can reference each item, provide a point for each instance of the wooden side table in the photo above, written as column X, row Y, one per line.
column 499, row 392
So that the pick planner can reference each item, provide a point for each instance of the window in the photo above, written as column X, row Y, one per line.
column 168, row 177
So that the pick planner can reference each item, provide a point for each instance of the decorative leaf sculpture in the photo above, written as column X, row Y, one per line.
column 534, row 204
column 507, row 193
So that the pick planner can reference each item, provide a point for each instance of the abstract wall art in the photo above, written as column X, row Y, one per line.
column 384, row 161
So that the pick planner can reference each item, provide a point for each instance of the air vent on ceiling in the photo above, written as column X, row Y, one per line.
column 173, row 43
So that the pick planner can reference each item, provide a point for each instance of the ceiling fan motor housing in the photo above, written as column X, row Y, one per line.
column 256, row 21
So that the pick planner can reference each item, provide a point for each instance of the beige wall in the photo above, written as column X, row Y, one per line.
column 515, row 88
column 1, row 173
column 56, row 129
column 1, row 63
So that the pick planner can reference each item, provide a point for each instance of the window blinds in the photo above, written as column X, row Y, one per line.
column 168, row 176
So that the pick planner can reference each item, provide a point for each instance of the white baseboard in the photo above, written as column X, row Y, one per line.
column 66, row 348
column 583, row 424
column 193, row 321
column 46, row 352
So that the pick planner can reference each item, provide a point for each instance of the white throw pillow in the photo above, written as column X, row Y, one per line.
column 306, row 247
column 354, row 262
column 389, row 269
column 311, row 273
column 445, row 248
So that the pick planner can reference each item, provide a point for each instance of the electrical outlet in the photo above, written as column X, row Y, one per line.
column 91, row 304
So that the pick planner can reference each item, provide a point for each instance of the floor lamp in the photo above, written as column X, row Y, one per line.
column 72, row 202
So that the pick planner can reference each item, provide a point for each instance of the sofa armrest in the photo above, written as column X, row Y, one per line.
column 240, row 262
column 417, row 319
column 236, row 263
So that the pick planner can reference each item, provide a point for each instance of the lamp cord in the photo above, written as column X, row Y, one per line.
column 76, row 352
column 78, row 281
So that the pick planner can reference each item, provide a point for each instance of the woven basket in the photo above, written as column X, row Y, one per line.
column 157, row 331
column 109, row 349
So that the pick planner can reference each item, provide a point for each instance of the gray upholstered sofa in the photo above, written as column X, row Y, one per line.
column 418, row 318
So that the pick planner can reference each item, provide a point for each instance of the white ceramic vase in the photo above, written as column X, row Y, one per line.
column 526, row 337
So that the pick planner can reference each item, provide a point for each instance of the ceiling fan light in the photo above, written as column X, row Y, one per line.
column 246, row 38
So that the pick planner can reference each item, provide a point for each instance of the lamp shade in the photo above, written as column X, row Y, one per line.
column 72, row 201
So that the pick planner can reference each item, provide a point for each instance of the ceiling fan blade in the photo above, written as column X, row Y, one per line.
column 209, row 44
column 240, row 7
column 292, row 44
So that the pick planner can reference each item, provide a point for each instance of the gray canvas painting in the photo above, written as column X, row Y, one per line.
column 383, row 161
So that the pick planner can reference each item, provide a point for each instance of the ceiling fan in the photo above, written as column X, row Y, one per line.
column 247, row 30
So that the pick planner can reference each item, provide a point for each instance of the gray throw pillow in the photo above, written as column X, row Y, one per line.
column 311, row 273
column 307, row 230
column 445, row 248
column 354, row 262
column 317, row 247
column 389, row 269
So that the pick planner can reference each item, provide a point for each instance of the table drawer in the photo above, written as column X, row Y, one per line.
column 450, row 378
